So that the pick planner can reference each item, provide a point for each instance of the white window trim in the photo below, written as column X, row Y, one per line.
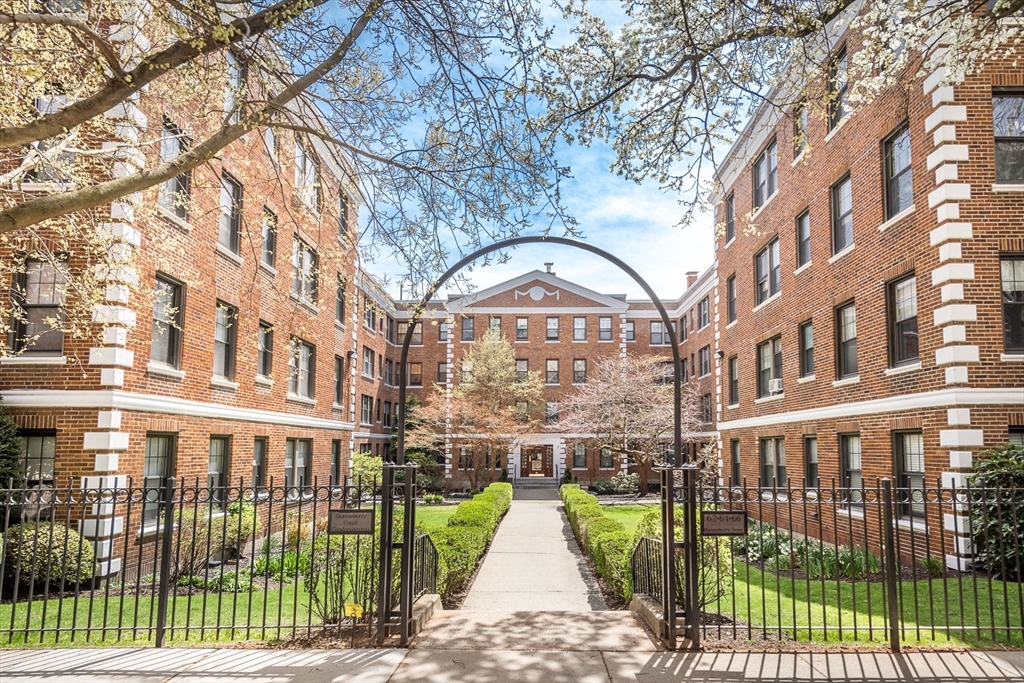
column 767, row 399
column 802, row 268
column 899, row 370
column 767, row 301
column 913, row 524
column 843, row 253
column 271, row 270
column 805, row 379
column 295, row 398
column 800, row 156
column 1000, row 188
column 157, row 368
column 264, row 380
column 897, row 218
column 228, row 254
column 846, row 381
column 1012, row 357
column 761, row 208
column 730, row 242
column 34, row 360
column 174, row 220
column 839, row 126
column 223, row 383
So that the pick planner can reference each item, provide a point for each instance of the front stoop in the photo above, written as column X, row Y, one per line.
column 423, row 609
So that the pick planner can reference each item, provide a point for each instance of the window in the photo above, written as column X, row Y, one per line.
column 467, row 371
column 174, row 194
column 799, row 128
column 630, row 330
column 803, row 239
column 1011, row 270
column 342, row 215
column 522, row 411
column 604, row 329
column 38, row 450
column 168, row 312
column 467, row 328
column 224, row 329
column 579, row 371
column 551, row 371
column 297, row 460
column 369, row 313
column 846, row 334
column 465, row 457
column 606, row 459
column 339, row 380
column 368, row 360
column 658, row 335
column 335, row 462
column 766, row 172
column 234, row 86
column 730, row 293
column 1016, row 436
column 837, row 89
column 271, row 141
column 910, row 474
column 302, row 368
column 259, row 461
column 773, row 463
column 734, row 459
column 551, row 412
column 682, row 332
column 365, row 409
column 842, row 215
column 415, row 374
column 157, row 465
column 442, row 373
column 307, row 176
column 852, row 477
column 269, row 232
column 734, row 381
column 230, row 213
column 444, row 331
column 551, row 329
column 1008, row 129
column 494, row 323
column 903, row 321
column 705, row 408
column 387, row 413
column 899, row 176
column 769, row 367
column 37, row 303
column 304, row 271
column 704, row 358
column 522, row 369
column 703, row 313
column 579, row 329
column 766, row 272
column 806, row 349
column 217, row 468
column 579, row 456
column 730, row 218
column 417, row 334
column 56, row 167
column 265, row 349
column 683, row 369
column 389, row 373
column 522, row 331
column 811, row 462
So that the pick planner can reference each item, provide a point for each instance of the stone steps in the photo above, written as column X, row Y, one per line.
column 535, row 483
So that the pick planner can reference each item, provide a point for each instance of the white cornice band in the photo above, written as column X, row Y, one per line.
column 124, row 400
column 1013, row 396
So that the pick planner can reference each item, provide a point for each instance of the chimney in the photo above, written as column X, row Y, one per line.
column 691, row 277
column 547, row 266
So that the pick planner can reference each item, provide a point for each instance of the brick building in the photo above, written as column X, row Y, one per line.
column 869, row 291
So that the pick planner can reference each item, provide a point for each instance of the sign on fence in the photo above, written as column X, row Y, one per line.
column 350, row 522
column 723, row 522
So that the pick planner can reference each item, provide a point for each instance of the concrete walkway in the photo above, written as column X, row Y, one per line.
column 534, row 563
column 116, row 665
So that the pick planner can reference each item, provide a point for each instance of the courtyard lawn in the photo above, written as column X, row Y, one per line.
column 434, row 517
column 800, row 609
column 628, row 516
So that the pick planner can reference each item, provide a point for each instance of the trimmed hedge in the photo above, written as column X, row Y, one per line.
column 604, row 539
column 470, row 529
column 47, row 552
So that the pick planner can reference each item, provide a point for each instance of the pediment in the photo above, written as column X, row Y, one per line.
column 534, row 290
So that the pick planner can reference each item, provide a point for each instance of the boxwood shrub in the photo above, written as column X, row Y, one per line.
column 604, row 539
column 44, row 551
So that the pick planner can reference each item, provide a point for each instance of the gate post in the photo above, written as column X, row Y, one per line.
column 891, row 570
column 387, row 504
column 668, row 552
column 408, row 549
column 691, row 576
column 166, row 547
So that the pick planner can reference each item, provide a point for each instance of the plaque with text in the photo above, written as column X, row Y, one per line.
column 723, row 522
column 350, row 522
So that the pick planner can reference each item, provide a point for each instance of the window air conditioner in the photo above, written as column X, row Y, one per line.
column 775, row 386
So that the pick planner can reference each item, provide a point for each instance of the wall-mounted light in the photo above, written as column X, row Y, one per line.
column 719, row 353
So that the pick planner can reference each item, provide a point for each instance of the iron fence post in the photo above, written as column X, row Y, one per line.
column 386, row 544
column 668, row 565
column 690, row 550
column 408, row 551
column 166, row 544
column 891, row 572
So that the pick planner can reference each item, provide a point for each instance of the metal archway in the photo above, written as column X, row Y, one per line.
column 669, row 544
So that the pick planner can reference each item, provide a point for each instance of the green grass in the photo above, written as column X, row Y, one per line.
column 803, row 608
column 628, row 516
column 228, row 616
column 433, row 517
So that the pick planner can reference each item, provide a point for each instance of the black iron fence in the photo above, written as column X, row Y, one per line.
column 645, row 566
column 425, row 566
column 927, row 565
column 184, row 561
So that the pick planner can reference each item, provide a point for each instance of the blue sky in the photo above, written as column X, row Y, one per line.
column 636, row 222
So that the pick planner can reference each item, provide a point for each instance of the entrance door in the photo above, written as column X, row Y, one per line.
column 536, row 461
column 524, row 461
column 549, row 461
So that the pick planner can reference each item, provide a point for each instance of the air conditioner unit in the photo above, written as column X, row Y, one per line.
column 775, row 386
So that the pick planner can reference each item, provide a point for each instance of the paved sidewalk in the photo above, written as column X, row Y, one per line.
column 534, row 563
column 110, row 665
